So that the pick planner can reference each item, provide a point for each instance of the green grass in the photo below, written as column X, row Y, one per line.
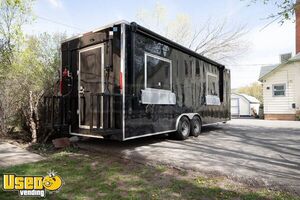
column 88, row 176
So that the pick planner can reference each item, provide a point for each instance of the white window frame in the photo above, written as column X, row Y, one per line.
column 101, row 46
column 214, row 75
column 284, row 89
column 145, row 69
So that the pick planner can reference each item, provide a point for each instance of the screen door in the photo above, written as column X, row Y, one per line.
column 90, row 83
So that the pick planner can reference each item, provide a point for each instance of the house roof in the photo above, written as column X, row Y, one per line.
column 249, row 98
column 265, row 70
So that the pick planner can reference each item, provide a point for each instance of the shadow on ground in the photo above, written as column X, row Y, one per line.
column 113, row 178
column 256, row 154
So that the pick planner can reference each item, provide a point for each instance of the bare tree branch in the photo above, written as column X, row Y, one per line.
column 212, row 39
column 285, row 9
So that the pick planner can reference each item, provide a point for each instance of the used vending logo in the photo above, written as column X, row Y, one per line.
column 32, row 186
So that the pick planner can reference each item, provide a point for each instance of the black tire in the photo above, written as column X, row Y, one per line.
column 196, row 126
column 183, row 129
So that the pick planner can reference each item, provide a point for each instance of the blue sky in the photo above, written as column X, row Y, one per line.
column 264, row 46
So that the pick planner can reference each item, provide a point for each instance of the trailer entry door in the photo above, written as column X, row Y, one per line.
column 90, row 83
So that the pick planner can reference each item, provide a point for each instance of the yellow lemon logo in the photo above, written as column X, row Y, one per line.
column 52, row 183
column 32, row 186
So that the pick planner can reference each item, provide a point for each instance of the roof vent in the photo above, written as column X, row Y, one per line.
column 285, row 57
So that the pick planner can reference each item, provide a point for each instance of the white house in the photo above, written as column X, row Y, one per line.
column 281, row 82
column 243, row 105
column 281, row 88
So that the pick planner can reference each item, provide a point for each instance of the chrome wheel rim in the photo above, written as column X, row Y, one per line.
column 196, row 127
column 185, row 128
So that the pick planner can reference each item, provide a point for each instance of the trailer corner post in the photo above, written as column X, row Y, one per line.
column 123, row 76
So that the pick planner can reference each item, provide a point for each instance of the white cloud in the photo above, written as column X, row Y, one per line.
column 56, row 3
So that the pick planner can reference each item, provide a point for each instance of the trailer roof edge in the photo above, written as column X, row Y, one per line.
column 153, row 35
column 111, row 25
column 96, row 30
column 172, row 43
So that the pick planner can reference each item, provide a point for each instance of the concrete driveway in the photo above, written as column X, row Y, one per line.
column 256, row 151
column 11, row 155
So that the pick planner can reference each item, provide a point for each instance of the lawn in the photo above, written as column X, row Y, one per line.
column 95, row 176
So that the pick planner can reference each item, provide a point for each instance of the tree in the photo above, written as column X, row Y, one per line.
column 285, row 9
column 254, row 89
column 29, row 66
column 34, row 75
column 13, row 15
column 212, row 39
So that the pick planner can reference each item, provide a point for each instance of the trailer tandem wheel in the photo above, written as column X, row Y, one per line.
column 183, row 129
column 196, row 126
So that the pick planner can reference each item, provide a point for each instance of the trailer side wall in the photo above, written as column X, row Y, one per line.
column 191, row 80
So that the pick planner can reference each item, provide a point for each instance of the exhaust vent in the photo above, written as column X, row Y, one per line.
column 285, row 57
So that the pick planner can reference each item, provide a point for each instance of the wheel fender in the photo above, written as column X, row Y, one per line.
column 188, row 115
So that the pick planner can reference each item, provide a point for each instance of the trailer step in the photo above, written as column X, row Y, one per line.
column 87, row 135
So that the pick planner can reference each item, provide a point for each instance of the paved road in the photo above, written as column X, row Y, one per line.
column 13, row 155
column 261, row 152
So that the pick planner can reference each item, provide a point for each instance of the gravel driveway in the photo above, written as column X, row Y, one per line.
column 257, row 151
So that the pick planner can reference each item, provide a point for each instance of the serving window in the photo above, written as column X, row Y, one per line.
column 212, row 84
column 212, row 89
column 158, row 72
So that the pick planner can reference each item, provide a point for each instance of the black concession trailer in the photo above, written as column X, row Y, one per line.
column 124, row 81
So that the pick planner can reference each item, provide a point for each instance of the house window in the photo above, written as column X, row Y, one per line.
column 279, row 90
column 212, row 86
column 158, row 72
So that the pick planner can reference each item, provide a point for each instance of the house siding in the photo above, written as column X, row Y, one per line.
column 287, row 75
